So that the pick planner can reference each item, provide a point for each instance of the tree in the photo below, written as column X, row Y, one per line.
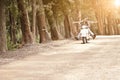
column 50, row 9
column 65, row 8
column 67, row 26
column 12, row 15
column 3, row 43
column 99, row 13
column 42, row 22
column 25, row 24
column 33, row 29
column 77, row 13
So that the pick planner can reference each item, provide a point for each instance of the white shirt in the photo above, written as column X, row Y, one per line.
column 84, row 32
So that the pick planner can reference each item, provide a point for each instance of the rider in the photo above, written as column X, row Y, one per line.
column 84, row 33
column 85, row 22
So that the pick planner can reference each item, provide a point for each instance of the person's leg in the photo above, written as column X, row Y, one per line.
column 86, row 40
column 83, row 40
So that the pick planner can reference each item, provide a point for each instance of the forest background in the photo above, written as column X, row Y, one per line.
column 26, row 22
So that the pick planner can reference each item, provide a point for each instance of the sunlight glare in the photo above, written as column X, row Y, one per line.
column 117, row 3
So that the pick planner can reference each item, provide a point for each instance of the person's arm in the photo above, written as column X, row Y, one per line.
column 90, row 32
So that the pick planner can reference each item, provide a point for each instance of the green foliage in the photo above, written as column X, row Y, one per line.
column 12, row 46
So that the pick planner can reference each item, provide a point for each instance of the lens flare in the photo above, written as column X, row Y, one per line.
column 117, row 3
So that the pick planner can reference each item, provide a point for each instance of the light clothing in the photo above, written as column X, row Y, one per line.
column 87, row 27
column 84, row 32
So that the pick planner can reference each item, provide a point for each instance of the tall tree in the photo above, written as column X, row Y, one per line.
column 33, row 29
column 110, row 24
column 25, row 24
column 65, row 8
column 67, row 26
column 99, row 12
column 77, row 15
column 52, row 23
column 12, row 12
column 3, row 43
column 42, row 22
column 50, row 9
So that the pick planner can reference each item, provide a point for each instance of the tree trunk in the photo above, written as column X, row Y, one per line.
column 118, row 26
column 42, row 27
column 115, row 27
column 67, row 27
column 110, row 24
column 12, row 29
column 99, row 12
column 99, row 16
column 77, row 14
column 43, row 33
column 55, row 35
column 3, row 42
column 74, row 29
column 54, row 32
column 33, row 29
column 25, row 25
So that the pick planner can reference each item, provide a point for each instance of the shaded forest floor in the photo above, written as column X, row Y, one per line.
column 64, row 60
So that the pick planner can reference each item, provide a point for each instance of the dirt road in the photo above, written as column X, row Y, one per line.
column 97, row 60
